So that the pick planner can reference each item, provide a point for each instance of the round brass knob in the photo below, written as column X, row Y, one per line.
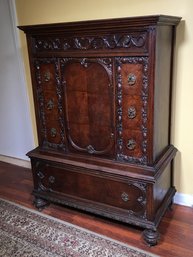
column 53, row 132
column 131, row 144
column 131, row 79
column 125, row 197
column 47, row 76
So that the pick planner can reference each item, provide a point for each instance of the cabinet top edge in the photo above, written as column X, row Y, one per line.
column 104, row 24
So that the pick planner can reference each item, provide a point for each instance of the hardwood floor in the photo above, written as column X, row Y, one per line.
column 176, row 227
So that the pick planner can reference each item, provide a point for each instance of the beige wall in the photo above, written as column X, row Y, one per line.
column 51, row 11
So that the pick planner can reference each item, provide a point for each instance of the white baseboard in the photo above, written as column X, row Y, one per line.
column 15, row 161
column 183, row 199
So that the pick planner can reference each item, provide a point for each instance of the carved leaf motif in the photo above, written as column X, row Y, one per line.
column 66, row 45
column 97, row 43
column 90, row 149
column 141, row 199
column 138, row 41
column 89, row 43
column 83, row 43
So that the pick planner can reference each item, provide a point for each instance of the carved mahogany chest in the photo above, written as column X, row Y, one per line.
column 102, row 94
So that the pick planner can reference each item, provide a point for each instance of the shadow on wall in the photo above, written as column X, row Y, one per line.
column 180, row 38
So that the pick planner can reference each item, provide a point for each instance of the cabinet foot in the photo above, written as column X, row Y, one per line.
column 151, row 237
column 170, row 207
column 40, row 204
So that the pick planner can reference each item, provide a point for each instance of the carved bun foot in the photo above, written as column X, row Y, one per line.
column 151, row 237
column 40, row 204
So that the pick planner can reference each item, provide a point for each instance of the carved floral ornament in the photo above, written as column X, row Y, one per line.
column 91, row 42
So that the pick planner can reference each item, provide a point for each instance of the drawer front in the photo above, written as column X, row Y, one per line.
column 51, row 105
column 47, row 73
column 132, row 140
column 132, row 78
column 68, row 181
column 132, row 114
column 53, row 132
column 132, row 109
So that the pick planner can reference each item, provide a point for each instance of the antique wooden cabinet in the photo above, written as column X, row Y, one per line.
column 102, row 94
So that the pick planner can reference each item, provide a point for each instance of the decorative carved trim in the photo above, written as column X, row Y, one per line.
column 119, row 41
column 89, row 207
column 44, row 182
column 144, row 98
column 141, row 200
column 131, row 112
column 116, row 41
column 43, row 105
column 106, row 63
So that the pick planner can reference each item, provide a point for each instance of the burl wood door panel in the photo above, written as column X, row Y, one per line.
column 89, row 105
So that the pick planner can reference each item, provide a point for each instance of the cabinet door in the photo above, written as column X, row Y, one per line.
column 89, row 105
column 47, row 94
column 132, row 109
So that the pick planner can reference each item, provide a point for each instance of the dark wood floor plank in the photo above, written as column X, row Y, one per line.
column 176, row 227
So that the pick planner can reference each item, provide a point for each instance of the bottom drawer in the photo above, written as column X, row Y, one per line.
column 91, row 185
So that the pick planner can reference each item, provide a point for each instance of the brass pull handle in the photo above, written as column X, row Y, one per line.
column 131, row 79
column 50, row 104
column 131, row 112
column 125, row 197
column 131, row 144
column 46, row 76
column 53, row 132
